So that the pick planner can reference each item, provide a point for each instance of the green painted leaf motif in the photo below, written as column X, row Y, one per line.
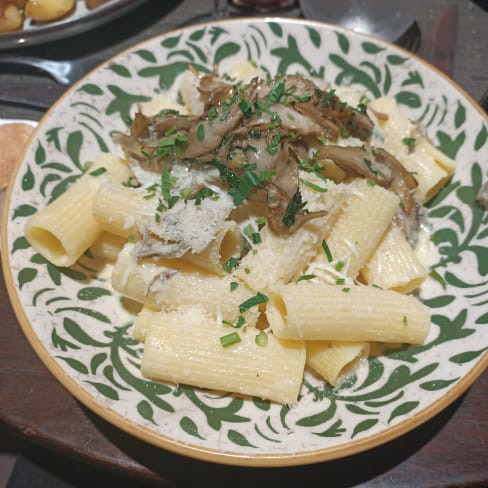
column 387, row 80
column 73, row 147
column 359, row 410
column 74, row 364
column 276, row 29
column 73, row 274
column 40, row 154
column 446, row 235
column 109, row 374
column 85, row 311
column 438, row 302
column 238, row 438
column 353, row 75
column 77, row 333
column 97, row 361
column 24, row 210
column 190, row 427
column 26, row 275
column 466, row 357
column 408, row 98
column 262, row 404
column 120, row 70
column 435, row 385
column 481, row 138
column 335, row 430
column 170, row 42
column 62, row 186
column 225, row 51
column 371, row 47
column 454, row 214
column 215, row 33
column 403, row 409
column 52, row 136
column 49, row 178
column 318, row 418
column 168, row 73
column 122, row 102
column 291, row 55
column 381, row 403
column 146, row 55
column 60, row 343
column 414, row 78
column 105, row 390
column 198, row 34
column 375, row 371
column 28, row 180
column 20, row 243
column 53, row 273
column 396, row 60
column 460, row 115
column 343, row 42
column 364, row 426
column 481, row 254
column 63, row 168
column 181, row 52
column 198, row 51
column 374, row 69
column 146, row 411
column 92, row 293
column 314, row 37
column 450, row 146
column 452, row 329
column 91, row 89
column 482, row 320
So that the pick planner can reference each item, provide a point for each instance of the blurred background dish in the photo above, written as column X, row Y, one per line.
column 79, row 20
column 387, row 19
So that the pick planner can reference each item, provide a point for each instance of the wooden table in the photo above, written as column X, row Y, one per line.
column 449, row 450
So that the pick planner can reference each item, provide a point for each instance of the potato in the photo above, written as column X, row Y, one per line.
column 20, row 4
column 47, row 10
column 94, row 3
column 10, row 18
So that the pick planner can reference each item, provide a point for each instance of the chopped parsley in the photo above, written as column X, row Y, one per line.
column 240, row 322
column 231, row 264
column 261, row 339
column 306, row 277
column 409, row 141
column 326, row 249
column 253, row 302
column 233, row 285
column 98, row 171
column 201, row 132
column 327, row 97
column 230, row 339
column 294, row 205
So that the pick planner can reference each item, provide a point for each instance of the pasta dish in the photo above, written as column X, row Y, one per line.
column 266, row 226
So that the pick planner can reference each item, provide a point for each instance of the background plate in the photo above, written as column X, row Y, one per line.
column 81, row 20
column 82, row 332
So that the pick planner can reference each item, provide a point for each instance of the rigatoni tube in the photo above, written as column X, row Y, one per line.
column 318, row 311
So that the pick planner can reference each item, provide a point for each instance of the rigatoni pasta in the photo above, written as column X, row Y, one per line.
column 262, row 230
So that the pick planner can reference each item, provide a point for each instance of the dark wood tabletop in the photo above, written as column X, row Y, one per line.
column 450, row 450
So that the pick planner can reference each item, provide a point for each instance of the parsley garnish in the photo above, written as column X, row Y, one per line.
column 253, row 301
column 98, row 171
column 229, row 339
column 294, row 205
column 326, row 249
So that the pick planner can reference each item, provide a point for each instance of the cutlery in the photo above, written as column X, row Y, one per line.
column 444, row 40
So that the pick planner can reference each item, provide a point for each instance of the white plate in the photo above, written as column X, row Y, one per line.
column 81, row 332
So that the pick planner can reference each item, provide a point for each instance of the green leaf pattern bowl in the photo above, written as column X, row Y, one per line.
column 82, row 331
